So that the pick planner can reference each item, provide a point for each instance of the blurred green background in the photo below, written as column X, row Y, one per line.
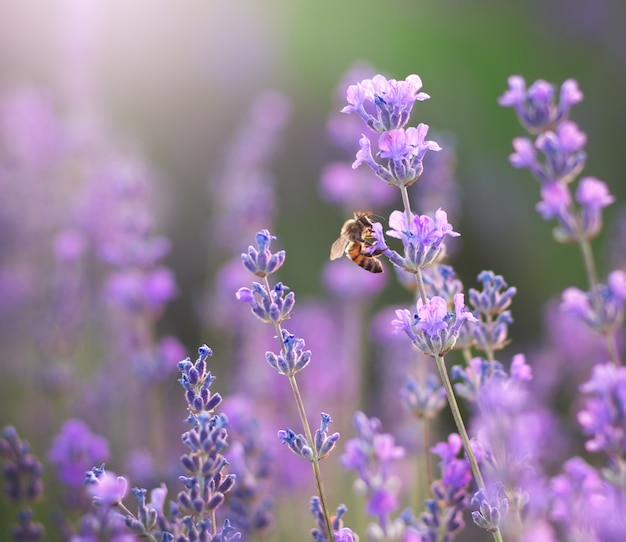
column 175, row 79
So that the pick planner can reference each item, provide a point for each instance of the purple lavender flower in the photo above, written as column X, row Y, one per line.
column 107, row 489
column 536, row 108
column 585, row 506
column 206, row 481
column 592, row 195
column 260, row 261
column 292, row 358
column 274, row 306
column 451, row 496
column 22, row 471
column 490, row 331
column 340, row 533
column 372, row 453
column 432, row 329
column 512, row 431
column 474, row 376
column 197, row 380
column 563, row 152
column 556, row 202
column 602, row 309
column 404, row 151
column 604, row 415
column 422, row 238
column 393, row 100
column 491, row 511
column 75, row 450
column 109, row 519
column 322, row 442
column 249, row 504
column 150, row 517
column 424, row 399
column 403, row 148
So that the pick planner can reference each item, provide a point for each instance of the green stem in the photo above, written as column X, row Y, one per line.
column 315, row 463
column 460, row 425
column 307, row 430
column 592, row 279
column 458, row 420
column 426, row 439
column 421, row 289
column 588, row 262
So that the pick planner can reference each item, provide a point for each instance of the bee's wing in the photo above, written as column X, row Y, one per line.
column 338, row 248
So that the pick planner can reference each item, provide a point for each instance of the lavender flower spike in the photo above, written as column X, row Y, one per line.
column 536, row 108
column 196, row 381
column 393, row 101
column 602, row 308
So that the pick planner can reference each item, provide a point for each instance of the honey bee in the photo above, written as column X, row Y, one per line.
column 352, row 242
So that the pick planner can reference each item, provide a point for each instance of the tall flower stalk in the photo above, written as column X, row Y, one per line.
column 273, row 305
column 385, row 107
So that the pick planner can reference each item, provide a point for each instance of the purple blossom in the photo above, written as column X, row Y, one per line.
column 432, row 329
column 292, row 358
column 536, row 108
column 422, row 239
column 393, row 100
column 585, row 506
column 274, row 306
column 525, row 155
column 372, row 453
column 473, row 377
column 593, row 195
column 604, row 415
column 491, row 512
column 252, row 460
column 424, row 399
column 404, row 151
column 196, row 379
column 602, row 308
column 75, row 450
column 206, row 481
column 340, row 533
column 450, row 496
column 21, row 468
column 563, row 152
column 556, row 201
column 490, row 332
column 260, row 261
column 108, row 489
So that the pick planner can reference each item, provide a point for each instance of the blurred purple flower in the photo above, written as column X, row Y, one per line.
column 353, row 188
column 536, row 108
column 75, row 450
column 108, row 489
